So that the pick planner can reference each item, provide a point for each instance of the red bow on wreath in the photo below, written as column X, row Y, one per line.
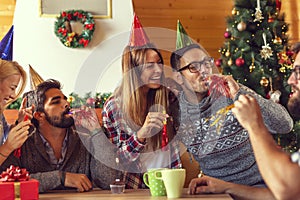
column 63, row 31
column 13, row 174
column 84, row 42
column 89, row 26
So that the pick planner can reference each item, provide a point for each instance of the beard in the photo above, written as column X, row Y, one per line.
column 294, row 106
column 60, row 121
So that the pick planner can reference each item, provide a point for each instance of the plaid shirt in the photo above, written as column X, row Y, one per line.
column 4, row 129
column 130, row 148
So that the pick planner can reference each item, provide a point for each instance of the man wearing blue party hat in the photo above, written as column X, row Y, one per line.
column 209, row 129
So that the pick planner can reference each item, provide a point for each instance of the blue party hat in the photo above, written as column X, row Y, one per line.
column 6, row 45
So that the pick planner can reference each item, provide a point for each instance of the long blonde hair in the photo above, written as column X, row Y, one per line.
column 8, row 68
column 134, row 104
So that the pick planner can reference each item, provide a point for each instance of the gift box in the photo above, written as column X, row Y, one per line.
column 15, row 184
column 23, row 190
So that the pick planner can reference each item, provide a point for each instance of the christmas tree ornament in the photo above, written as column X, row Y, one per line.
column 218, row 62
column 264, row 81
column 274, row 95
column 278, row 5
column 227, row 34
column 227, row 53
column 229, row 62
column 289, row 53
column 239, row 62
column 282, row 69
column 270, row 19
column 266, row 51
column 252, row 66
column 258, row 13
column 277, row 40
column 234, row 11
column 241, row 26
column 138, row 36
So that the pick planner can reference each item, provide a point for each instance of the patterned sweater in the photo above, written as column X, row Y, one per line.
column 219, row 143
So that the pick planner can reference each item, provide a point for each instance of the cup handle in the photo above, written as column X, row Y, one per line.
column 158, row 177
column 145, row 178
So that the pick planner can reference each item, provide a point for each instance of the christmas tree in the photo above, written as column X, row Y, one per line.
column 256, row 51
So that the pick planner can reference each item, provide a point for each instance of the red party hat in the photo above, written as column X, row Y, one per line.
column 138, row 36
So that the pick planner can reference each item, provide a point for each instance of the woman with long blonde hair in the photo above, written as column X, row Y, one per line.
column 138, row 118
column 12, row 84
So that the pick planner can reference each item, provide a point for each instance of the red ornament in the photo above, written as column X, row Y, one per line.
column 289, row 53
column 239, row 62
column 218, row 62
column 278, row 5
column 227, row 34
column 270, row 19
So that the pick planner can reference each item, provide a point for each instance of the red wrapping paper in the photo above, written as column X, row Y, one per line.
column 15, row 184
column 28, row 190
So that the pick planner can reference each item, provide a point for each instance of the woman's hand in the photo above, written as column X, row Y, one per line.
column 17, row 136
column 25, row 111
column 86, row 118
column 152, row 125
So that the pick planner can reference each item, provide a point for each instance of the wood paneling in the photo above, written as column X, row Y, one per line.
column 204, row 20
column 7, row 8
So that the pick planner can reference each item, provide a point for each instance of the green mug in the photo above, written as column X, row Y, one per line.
column 157, row 187
column 173, row 179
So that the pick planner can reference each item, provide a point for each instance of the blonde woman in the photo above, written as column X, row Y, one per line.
column 12, row 84
column 134, row 116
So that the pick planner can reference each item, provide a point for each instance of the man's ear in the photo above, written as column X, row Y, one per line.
column 38, row 115
column 177, row 76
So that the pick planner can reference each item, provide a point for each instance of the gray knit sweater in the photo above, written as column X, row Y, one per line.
column 219, row 143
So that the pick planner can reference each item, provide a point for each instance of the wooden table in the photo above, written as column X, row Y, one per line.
column 128, row 195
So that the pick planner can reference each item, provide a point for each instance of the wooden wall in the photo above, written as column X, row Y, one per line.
column 204, row 20
column 7, row 8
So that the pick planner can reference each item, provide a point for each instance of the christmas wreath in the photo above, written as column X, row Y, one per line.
column 63, row 28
